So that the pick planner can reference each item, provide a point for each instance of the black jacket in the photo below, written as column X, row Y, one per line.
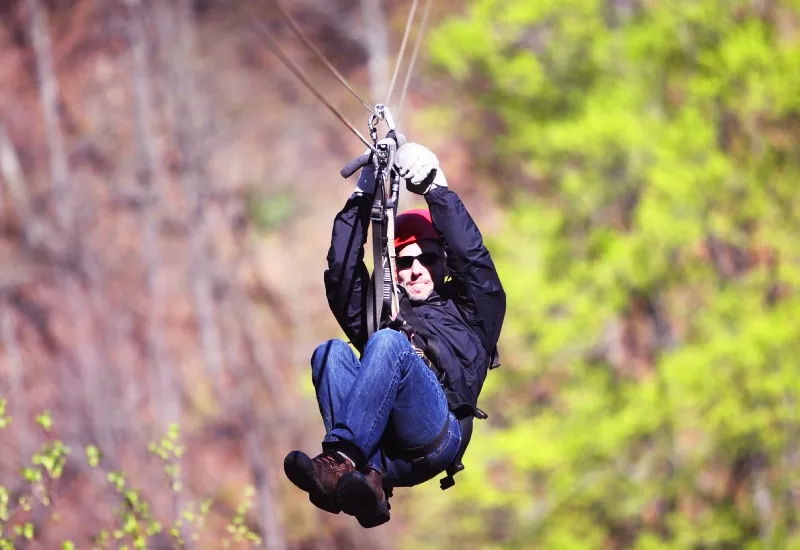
column 465, row 314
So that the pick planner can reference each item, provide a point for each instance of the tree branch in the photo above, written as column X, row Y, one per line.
column 49, row 97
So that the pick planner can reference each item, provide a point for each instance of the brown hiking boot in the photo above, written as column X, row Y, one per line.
column 318, row 476
column 362, row 496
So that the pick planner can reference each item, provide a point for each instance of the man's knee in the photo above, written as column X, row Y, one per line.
column 328, row 352
column 388, row 340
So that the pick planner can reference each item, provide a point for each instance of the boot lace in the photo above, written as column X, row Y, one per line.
column 329, row 460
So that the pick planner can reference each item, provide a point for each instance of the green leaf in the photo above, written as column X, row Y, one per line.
column 45, row 420
column 92, row 455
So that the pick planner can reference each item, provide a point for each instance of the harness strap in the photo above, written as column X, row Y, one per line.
column 375, row 293
column 418, row 454
column 391, row 275
column 382, row 302
column 418, row 334
column 456, row 466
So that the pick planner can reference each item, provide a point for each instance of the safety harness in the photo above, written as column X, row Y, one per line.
column 382, row 302
column 382, row 298
column 422, row 339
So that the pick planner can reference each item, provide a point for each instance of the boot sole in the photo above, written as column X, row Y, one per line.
column 299, row 468
column 355, row 497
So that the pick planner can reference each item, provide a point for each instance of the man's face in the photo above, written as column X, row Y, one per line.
column 422, row 269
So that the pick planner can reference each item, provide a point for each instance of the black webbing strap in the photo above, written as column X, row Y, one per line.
column 418, row 454
column 409, row 322
column 381, row 298
column 456, row 466
column 375, row 293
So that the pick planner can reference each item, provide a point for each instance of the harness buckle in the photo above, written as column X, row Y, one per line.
column 377, row 214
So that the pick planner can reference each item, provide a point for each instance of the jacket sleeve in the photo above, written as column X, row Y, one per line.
column 347, row 278
column 475, row 281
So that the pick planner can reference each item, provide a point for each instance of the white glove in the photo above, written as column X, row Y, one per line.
column 415, row 163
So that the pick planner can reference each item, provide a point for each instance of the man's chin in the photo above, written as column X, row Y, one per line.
column 419, row 295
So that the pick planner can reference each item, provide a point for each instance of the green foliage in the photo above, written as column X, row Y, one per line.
column 135, row 523
column 169, row 450
column 92, row 456
column 5, row 420
column 237, row 527
column 649, row 395
column 269, row 213
column 45, row 421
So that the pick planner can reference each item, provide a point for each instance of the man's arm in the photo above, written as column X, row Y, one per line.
column 477, row 286
column 347, row 277
column 475, row 278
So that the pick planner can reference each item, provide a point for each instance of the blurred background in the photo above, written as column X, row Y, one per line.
column 167, row 189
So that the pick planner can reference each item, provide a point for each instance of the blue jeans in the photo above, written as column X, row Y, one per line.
column 388, row 400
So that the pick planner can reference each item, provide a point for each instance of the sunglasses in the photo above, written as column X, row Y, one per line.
column 426, row 258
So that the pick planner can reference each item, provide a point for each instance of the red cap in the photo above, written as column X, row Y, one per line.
column 412, row 226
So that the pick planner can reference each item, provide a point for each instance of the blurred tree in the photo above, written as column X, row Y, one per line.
column 649, row 392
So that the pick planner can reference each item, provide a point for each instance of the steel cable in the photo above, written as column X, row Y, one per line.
column 264, row 35
column 400, row 55
column 304, row 39
column 413, row 61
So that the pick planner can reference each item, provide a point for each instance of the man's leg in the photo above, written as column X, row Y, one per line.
column 393, row 386
column 334, row 367
column 394, row 389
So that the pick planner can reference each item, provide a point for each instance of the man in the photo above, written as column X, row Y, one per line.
column 394, row 417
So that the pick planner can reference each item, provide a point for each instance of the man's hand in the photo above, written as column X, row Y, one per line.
column 420, row 168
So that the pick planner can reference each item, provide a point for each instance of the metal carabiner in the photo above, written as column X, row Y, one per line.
column 384, row 112
column 374, row 120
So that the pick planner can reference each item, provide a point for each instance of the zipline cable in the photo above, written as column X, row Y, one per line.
column 264, row 35
column 410, row 70
column 304, row 39
column 399, row 61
